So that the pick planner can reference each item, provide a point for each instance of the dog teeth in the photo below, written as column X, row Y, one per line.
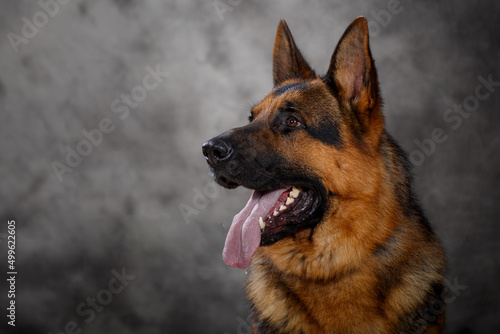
column 294, row 193
column 290, row 199
column 261, row 223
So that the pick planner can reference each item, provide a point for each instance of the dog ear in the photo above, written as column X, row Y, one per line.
column 352, row 75
column 288, row 62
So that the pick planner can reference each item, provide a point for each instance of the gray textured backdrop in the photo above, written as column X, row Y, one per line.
column 118, row 209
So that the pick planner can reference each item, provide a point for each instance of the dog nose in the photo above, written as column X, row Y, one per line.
column 216, row 151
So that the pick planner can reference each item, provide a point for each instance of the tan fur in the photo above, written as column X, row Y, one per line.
column 370, row 263
column 325, row 281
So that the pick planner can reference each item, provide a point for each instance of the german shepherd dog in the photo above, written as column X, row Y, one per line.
column 333, row 236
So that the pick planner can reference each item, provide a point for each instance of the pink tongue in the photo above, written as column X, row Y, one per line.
column 243, row 237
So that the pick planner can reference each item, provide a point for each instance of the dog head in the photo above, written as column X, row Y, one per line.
column 311, row 143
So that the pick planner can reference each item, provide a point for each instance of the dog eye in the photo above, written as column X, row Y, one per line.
column 292, row 121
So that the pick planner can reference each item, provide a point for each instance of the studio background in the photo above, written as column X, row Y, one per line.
column 122, row 207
